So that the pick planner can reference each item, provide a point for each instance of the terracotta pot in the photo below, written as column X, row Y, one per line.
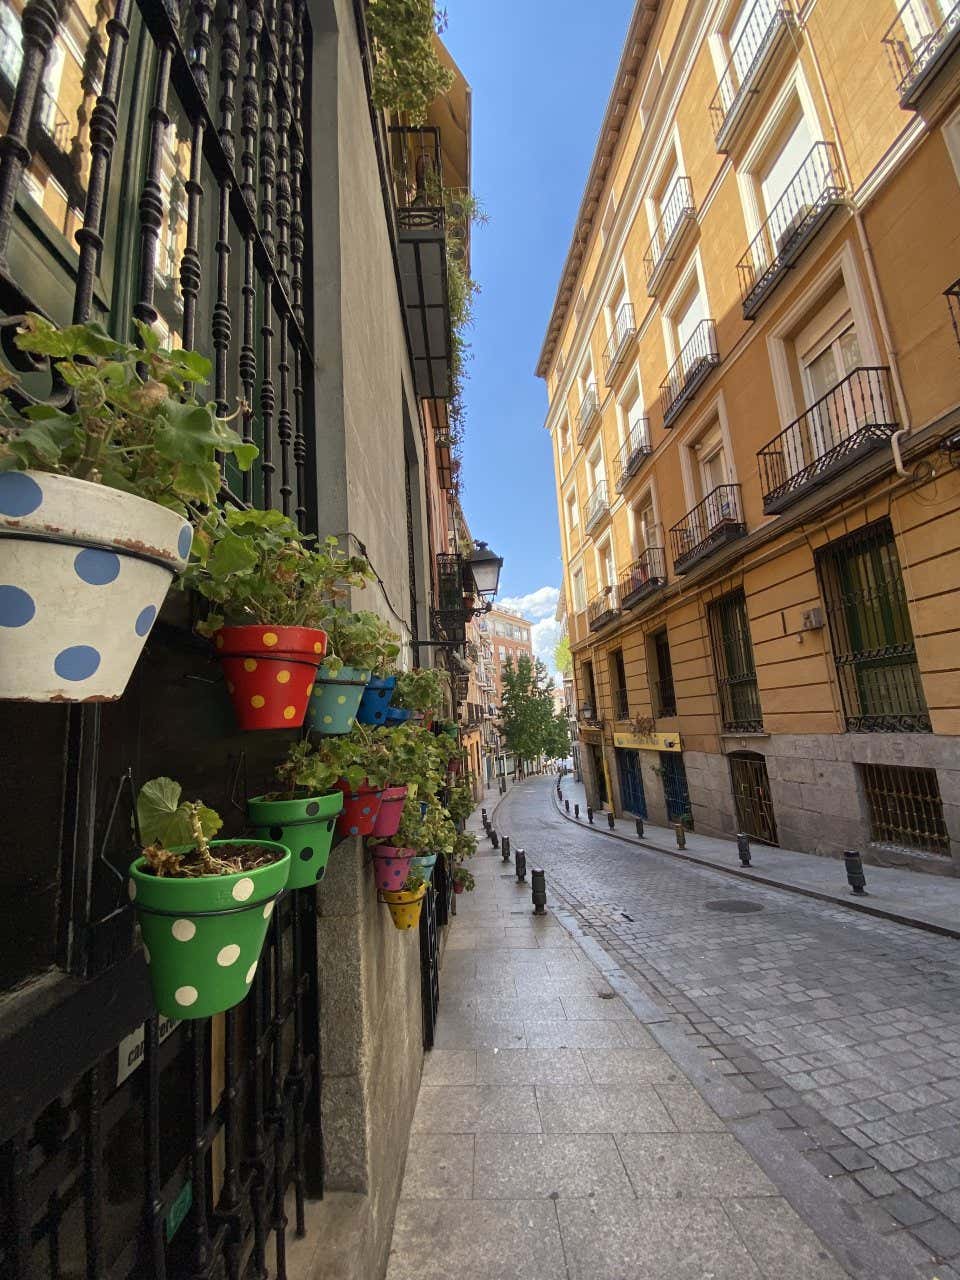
column 388, row 816
column 375, row 702
column 335, row 700
column 360, row 809
column 270, row 672
column 305, row 825
column 405, row 907
column 391, row 867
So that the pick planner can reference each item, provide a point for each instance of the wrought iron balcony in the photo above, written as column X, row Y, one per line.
column 851, row 420
column 678, row 215
column 421, row 226
column 815, row 190
column 618, row 344
column 597, row 506
column 603, row 608
column 750, row 59
column 691, row 366
column 665, row 698
column 632, row 452
column 712, row 523
column 621, row 705
column 647, row 574
column 589, row 408
column 923, row 37
column 952, row 296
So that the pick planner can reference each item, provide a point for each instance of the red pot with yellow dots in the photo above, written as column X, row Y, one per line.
column 270, row 672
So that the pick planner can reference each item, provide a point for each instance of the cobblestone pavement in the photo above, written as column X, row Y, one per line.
column 850, row 1026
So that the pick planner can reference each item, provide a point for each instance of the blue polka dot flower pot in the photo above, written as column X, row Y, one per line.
column 202, row 937
column 397, row 715
column 335, row 699
column 360, row 808
column 80, row 591
column 390, row 867
column 375, row 703
column 305, row 826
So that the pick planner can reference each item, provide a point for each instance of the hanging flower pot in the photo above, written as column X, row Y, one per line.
column 391, row 867
column 336, row 698
column 397, row 715
column 203, row 935
column 305, row 826
column 375, row 702
column 424, row 864
column 388, row 815
column 84, row 570
column 270, row 672
column 405, row 906
column 360, row 808
column 457, row 887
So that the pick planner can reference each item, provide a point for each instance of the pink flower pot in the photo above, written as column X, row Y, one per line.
column 391, row 807
column 391, row 867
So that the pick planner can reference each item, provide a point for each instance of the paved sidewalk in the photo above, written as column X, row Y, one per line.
column 557, row 1136
column 909, row 897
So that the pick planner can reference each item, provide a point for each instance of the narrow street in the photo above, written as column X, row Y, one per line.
column 848, row 1026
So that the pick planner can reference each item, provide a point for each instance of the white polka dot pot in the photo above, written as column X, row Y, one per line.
column 204, row 936
column 84, row 570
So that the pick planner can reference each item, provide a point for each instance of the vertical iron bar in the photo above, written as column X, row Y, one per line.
column 222, row 327
column 92, row 1175
column 268, row 175
column 229, row 1207
column 198, row 1157
column 151, row 201
column 249, row 125
column 190, row 264
column 153, row 1209
column 296, row 1075
column 276, row 1098
column 258, row 1160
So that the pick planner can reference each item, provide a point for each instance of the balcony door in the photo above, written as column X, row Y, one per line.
column 781, row 165
column 835, row 409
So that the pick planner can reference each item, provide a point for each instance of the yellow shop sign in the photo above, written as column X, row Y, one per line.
column 648, row 741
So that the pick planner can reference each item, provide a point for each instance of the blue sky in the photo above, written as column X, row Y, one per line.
column 541, row 72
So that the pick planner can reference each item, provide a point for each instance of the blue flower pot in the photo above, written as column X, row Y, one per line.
column 397, row 715
column 335, row 700
column 375, row 703
column 424, row 865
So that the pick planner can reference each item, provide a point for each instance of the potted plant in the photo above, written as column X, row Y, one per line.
column 359, row 643
column 415, row 765
column 419, row 694
column 361, row 768
column 203, row 905
column 460, row 803
column 405, row 904
column 271, row 587
column 94, row 505
column 301, row 813
column 429, row 835
column 463, row 881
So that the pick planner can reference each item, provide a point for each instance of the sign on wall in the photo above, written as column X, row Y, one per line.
column 648, row 741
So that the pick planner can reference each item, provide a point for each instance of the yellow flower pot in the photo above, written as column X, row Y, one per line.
column 405, row 906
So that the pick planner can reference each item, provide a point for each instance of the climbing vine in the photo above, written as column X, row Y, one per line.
column 407, row 74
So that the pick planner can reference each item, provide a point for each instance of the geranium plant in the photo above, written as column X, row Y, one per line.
column 361, row 640
column 421, row 690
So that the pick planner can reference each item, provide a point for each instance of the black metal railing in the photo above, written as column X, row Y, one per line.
column 596, row 506
column 632, row 452
column 589, row 408
column 952, row 295
column 665, row 698
column 417, row 165
column 603, row 608
column 918, row 42
column 814, row 191
column 852, row 419
column 615, row 352
column 734, row 665
column 647, row 574
column 906, row 808
column 697, row 357
column 450, row 615
column 621, row 705
column 714, row 521
column 767, row 21
column 677, row 211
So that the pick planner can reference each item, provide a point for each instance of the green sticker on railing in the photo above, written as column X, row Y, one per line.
column 179, row 1210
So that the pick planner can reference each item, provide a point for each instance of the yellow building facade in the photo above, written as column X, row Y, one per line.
column 754, row 391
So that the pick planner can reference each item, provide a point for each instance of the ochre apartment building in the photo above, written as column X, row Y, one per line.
column 754, row 390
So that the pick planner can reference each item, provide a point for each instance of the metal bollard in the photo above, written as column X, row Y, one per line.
column 538, row 882
column 743, row 848
column 854, row 864
column 576, row 811
column 640, row 828
column 494, row 838
column 505, row 848
column 566, row 805
column 681, row 835
column 483, row 816
column 590, row 815
column 611, row 821
column 520, row 860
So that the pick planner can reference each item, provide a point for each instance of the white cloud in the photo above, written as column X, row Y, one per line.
column 544, row 636
column 535, row 605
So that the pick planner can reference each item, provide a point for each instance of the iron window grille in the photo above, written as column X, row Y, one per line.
column 596, row 507
column 871, row 635
column 811, row 195
column 919, row 42
column 615, row 352
column 589, row 408
column 952, row 296
column 666, row 698
column 677, row 213
column 632, row 453
column 647, row 574
column 603, row 608
column 905, row 807
column 621, row 705
column 733, row 662
column 712, row 523
column 749, row 58
column 697, row 357
column 854, row 418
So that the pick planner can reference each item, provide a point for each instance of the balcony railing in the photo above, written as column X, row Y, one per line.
column 618, row 344
column 597, row 506
column 647, row 574
column 691, row 366
column 634, row 449
column 603, row 608
column 851, row 420
column 749, row 60
column 621, row 705
column 814, row 191
column 923, row 36
column 677, row 213
column 716, row 520
column 665, row 698
column 589, row 408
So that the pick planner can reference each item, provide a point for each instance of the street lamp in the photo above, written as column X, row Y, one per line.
column 485, row 566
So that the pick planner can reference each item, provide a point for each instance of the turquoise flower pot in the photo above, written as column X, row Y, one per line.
column 424, row 865
column 335, row 699
column 375, row 703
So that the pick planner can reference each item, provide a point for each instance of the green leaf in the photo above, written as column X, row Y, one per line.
column 164, row 818
column 231, row 554
column 193, row 366
column 148, row 337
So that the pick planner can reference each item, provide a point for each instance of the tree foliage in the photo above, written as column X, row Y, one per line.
column 530, row 727
column 407, row 74
column 563, row 657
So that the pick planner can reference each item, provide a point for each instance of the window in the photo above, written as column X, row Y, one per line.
column 595, row 466
column 503, row 653
column 589, row 687
column 905, row 807
column 665, row 700
column 733, row 660
column 630, row 415
column 573, row 514
column 644, row 525
column 873, row 646
column 579, row 591
column 710, row 459
column 775, row 172
column 692, row 309
column 606, row 570
column 618, row 681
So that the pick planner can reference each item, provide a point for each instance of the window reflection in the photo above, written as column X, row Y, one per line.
column 174, row 173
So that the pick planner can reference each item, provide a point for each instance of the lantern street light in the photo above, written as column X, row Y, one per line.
column 485, row 566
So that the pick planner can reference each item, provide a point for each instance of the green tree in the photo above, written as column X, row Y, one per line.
column 557, row 742
column 527, row 709
column 562, row 656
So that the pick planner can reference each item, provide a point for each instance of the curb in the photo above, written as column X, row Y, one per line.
column 881, row 913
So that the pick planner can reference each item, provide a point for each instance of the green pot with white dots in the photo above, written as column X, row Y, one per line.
column 335, row 699
column 305, row 826
column 202, row 936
